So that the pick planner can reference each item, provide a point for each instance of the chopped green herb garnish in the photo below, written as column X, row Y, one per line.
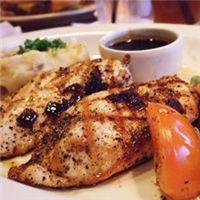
column 41, row 45
column 195, row 80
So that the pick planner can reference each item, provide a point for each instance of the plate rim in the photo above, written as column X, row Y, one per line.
column 105, row 27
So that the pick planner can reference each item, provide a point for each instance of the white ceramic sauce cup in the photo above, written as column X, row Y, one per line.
column 148, row 64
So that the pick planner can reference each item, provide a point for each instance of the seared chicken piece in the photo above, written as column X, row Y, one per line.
column 49, row 94
column 101, row 135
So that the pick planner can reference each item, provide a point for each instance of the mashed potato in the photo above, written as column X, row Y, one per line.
column 16, row 70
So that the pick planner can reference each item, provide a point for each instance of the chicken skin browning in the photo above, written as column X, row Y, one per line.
column 103, row 134
column 49, row 94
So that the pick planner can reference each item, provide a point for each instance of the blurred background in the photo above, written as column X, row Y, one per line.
column 181, row 12
column 39, row 14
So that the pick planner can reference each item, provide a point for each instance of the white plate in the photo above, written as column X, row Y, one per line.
column 67, row 13
column 136, row 183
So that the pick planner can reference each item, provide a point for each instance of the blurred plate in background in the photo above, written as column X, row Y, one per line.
column 49, row 20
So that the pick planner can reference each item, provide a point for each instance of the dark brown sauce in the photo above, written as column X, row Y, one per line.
column 138, row 44
column 55, row 109
column 27, row 118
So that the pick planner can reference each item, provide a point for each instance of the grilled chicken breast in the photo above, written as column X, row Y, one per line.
column 102, row 134
column 49, row 94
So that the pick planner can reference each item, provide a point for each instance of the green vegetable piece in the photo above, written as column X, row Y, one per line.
column 28, row 44
column 41, row 45
column 21, row 50
column 195, row 80
column 58, row 43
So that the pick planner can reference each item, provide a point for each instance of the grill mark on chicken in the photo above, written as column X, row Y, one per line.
column 89, row 133
column 135, row 102
column 130, row 98
column 119, row 120
column 93, row 145
column 175, row 104
column 95, row 84
column 120, row 126
column 52, row 90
